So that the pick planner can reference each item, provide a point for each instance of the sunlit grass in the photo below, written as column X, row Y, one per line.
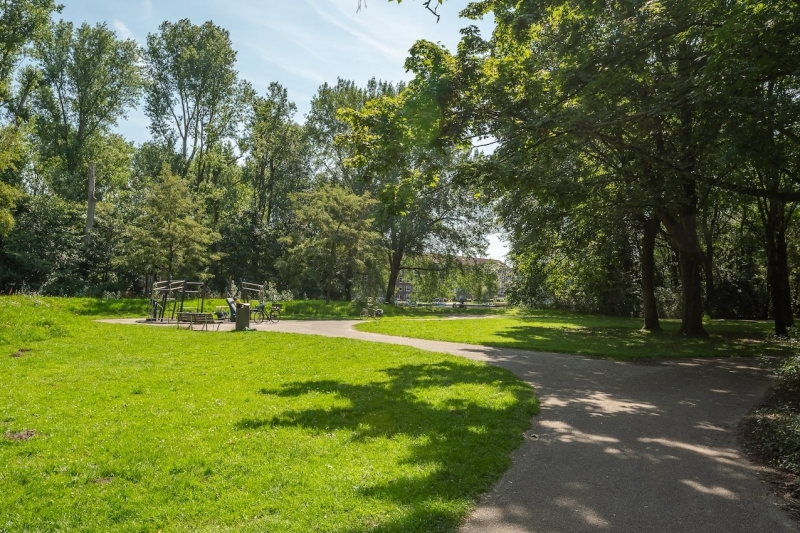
column 613, row 337
column 128, row 428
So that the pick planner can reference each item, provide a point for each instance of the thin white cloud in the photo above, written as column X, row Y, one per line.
column 391, row 52
column 296, row 70
column 122, row 30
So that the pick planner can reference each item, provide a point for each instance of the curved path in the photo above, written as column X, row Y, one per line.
column 618, row 447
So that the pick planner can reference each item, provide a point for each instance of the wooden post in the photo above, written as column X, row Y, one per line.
column 87, row 236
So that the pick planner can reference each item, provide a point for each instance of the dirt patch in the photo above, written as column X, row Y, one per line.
column 103, row 480
column 28, row 434
column 783, row 484
column 21, row 352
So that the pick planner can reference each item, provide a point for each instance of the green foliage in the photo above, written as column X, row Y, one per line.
column 777, row 431
column 24, row 22
column 193, row 96
column 325, row 123
column 476, row 280
column 775, row 425
column 43, row 252
column 334, row 237
column 421, row 209
column 8, row 199
column 167, row 238
column 577, row 263
column 89, row 81
column 614, row 113
column 135, row 425
column 277, row 157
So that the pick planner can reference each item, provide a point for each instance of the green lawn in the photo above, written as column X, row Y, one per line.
column 564, row 332
column 127, row 428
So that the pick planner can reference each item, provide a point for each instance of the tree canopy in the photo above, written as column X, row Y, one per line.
column 642, row 157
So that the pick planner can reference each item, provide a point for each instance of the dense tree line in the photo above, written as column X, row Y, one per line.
column 646, row 153
column 644, row 160
column 231, row 185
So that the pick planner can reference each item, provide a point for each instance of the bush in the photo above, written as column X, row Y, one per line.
column 778, row 433
column 776, row 425
column 789, row 374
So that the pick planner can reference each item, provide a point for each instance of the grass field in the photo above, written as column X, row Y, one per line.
column 118, row 428
column 612, row 337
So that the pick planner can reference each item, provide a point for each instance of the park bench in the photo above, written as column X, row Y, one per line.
column 203, row 319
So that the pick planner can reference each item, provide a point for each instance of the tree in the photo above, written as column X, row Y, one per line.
column 8, row 199
column 324, row 124
column 23, row 23
column 426, row 4
column 476, row 280
column 276, row 161
column 44, row 250
column 420, row 209
column 167, row 239
column 89, row 81
column 335, row 238
column 754, row 73
column 618, row 85
column 193, row 97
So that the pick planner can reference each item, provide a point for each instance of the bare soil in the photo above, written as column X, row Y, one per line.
column 28, row 434
column 21, row 352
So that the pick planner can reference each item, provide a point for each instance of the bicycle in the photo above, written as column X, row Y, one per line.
column 275, row 313
column 375, row 313
column 259, row 313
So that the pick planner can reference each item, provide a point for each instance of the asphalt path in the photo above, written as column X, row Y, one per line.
column 618, row 447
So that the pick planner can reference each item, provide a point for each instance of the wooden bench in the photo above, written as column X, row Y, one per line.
column 203, row 319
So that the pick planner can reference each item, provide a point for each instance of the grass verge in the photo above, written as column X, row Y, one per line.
column 117, row 428
column 612, row 337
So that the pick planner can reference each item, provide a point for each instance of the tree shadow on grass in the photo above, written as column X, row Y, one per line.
column 460, row 439
column 625, row 343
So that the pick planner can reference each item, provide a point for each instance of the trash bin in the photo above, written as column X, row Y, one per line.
column 242, row 316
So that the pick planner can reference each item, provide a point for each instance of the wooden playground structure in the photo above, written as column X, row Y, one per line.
column 169, row 299
column 183, row 302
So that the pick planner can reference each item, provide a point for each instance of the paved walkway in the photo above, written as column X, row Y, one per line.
column 618, row 447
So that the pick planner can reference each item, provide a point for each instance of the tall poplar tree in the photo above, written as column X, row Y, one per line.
column 194, row 98
column 90, row 79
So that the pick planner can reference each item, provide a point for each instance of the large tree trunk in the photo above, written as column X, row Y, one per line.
column 395, row 260
column 682, row 230
column 708, row 263
column 773, row 213
column 348, row 285
column 396, row 252
column 649, row 308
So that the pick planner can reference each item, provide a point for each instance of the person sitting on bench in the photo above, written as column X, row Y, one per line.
column 232, row 304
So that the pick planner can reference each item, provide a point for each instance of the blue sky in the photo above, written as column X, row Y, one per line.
column 298, row 43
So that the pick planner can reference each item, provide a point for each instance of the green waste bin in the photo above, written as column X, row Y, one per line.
column 242, row 316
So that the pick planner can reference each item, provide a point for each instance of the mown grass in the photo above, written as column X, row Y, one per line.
column 120, row 428
column 612, row 337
